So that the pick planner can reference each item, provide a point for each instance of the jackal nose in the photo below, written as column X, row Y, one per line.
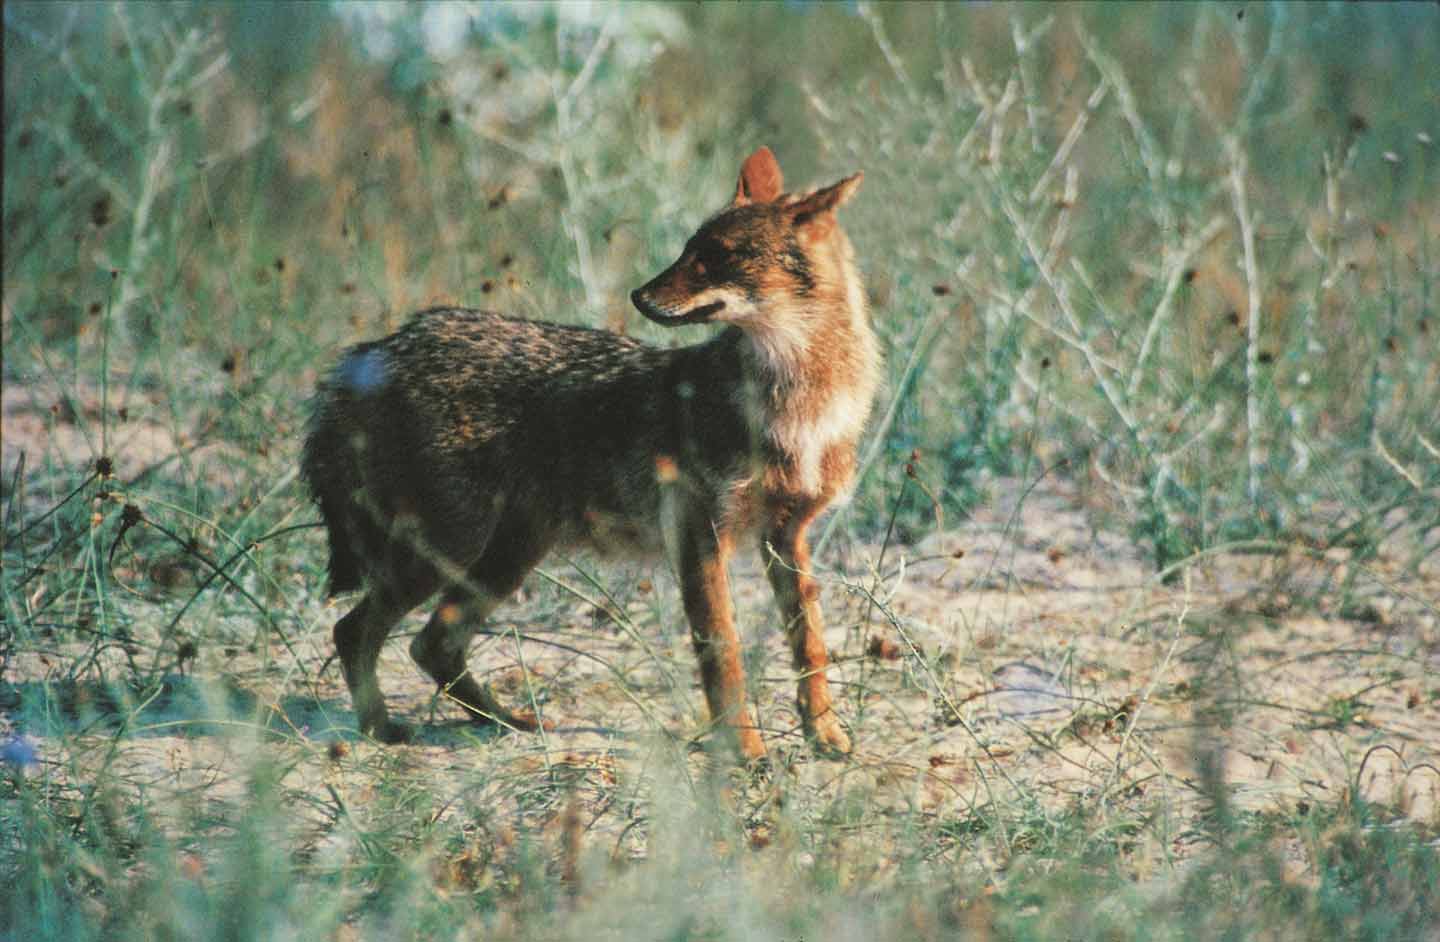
column 643, row 304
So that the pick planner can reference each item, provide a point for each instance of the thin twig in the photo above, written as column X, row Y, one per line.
column 1176, row 264
column 1072, row 137
column 1254, row 456
column 882, row 41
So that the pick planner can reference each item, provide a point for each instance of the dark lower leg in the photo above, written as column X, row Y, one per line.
column 440, row 650
column 511, row 552
column 358, row 638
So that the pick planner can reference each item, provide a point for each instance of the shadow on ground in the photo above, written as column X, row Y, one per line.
column 186, row 706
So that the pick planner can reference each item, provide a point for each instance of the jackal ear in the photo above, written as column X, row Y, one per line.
column 760, row 179
column 822, row 202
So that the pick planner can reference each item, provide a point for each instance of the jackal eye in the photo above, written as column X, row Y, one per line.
column 713, row 256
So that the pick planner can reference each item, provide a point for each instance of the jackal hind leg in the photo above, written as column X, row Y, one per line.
column 358, row 639
column 440, row 648
column 798, row 597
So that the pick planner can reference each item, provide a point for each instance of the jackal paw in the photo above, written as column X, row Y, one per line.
column 389, row 732
column 749, row 746
column 827, row 735
column 523, row 720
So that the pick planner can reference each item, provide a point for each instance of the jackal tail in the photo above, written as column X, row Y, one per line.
column 328, row 466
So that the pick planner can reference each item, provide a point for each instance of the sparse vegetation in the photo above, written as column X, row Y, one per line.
column 1135, row 611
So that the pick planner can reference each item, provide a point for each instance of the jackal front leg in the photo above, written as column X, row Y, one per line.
column 701, row 558
column 798, row 596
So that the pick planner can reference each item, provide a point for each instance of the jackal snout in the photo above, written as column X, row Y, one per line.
column 663, row 302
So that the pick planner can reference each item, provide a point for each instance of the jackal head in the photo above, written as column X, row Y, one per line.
column 762, row 259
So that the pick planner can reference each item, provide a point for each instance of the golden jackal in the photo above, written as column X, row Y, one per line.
column 454, row 454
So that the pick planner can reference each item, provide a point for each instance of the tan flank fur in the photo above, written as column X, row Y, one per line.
column 453, row 455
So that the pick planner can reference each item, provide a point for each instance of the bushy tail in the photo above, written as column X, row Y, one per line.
column 330, row 468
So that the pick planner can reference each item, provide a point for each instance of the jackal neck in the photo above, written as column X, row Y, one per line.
column 814, row 363
column 821, row 338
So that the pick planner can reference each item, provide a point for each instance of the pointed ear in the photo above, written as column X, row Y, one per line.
column 760, row 179
column 826, row 201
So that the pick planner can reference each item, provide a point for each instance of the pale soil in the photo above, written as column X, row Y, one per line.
column 56, row 427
